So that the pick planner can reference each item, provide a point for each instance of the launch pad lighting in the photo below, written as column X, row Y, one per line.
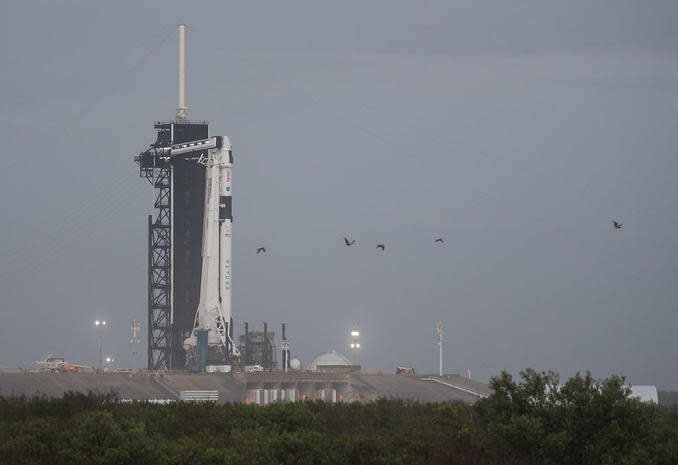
column 355, row 333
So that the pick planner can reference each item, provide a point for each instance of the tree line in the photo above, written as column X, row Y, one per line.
column 531, row 420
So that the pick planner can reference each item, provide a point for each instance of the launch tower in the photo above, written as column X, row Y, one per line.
column 175, row 232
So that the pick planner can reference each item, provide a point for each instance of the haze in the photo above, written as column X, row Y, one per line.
column 515, row 130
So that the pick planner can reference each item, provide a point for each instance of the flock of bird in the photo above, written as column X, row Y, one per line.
column 382, row 246
column 349, row 243
column 439, row 240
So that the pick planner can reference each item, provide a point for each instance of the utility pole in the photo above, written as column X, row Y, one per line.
column 135, row 329
column 284, row 351
column 439, row 330
column 99, row 325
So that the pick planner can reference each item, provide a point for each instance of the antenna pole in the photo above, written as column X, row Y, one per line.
column 134, row 341
column 181, row 109
column 439, row 330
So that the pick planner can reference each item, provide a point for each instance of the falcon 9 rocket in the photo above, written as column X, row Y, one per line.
column 213, row 315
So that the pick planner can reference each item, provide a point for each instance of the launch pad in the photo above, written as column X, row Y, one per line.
column 249, row 388
column 189, row 249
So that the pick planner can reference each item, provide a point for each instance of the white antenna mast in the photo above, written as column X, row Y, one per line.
column 134, row 341
column 439, row 330
column 181, row 109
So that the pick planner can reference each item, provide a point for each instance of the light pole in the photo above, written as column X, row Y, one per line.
column 134, row 342
column 99, row 325
column 355, row 343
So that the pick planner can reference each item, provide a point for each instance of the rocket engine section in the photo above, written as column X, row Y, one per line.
column 213, row 315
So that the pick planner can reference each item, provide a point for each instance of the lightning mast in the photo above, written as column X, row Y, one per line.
column 181, row 108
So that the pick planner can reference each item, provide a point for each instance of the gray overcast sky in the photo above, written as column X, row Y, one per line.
column 516, row 130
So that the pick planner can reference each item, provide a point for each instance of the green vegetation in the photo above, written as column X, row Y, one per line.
column 585, row 421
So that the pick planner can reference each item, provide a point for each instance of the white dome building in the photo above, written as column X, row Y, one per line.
column 332, row 361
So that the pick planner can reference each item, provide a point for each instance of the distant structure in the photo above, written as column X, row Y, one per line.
column 258, row 347
column 645, row 393
column 332, row 362
column 401, row 370
column 285, row 351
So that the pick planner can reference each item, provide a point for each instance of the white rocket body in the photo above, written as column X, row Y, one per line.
column 214, row 308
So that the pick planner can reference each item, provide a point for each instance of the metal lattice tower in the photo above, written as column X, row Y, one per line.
column 174, row 241
column 159, row 173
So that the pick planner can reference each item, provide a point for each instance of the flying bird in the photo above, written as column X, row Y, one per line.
column 349, row 243
column 440, row 239
column 617, row 225
column 381, row 246
column 261, row 250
